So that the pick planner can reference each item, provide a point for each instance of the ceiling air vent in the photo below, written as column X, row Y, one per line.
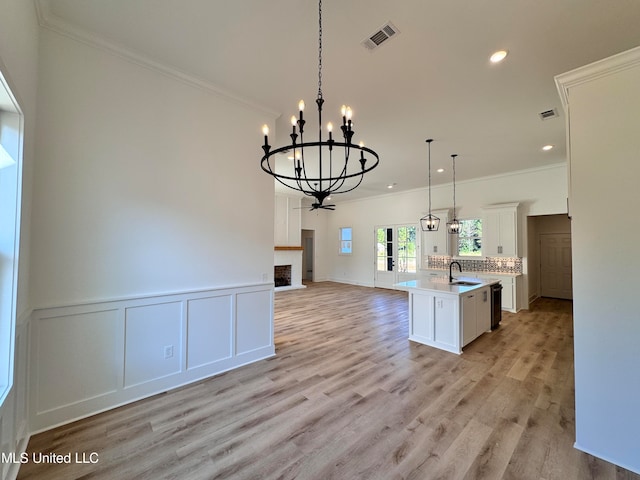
column 547, row 114
column 383, row 34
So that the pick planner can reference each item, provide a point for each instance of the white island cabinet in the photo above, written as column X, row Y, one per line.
column 448, row 316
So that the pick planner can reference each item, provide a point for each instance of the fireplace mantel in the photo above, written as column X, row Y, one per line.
column 287, row 248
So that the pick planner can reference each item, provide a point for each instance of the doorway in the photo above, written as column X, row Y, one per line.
column 395, row 250
column 308, row 239
column 555, row 265
column 549, row 257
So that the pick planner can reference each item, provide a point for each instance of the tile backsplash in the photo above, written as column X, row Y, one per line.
column 487, row 264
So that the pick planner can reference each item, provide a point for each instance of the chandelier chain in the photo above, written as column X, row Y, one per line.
column 321, row 175
column 320, row 49
column 429, row 143
column 454, row 185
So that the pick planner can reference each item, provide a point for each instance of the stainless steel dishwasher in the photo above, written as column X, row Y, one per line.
column 496, row 305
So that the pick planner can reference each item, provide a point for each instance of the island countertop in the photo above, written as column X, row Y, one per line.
column 442, row 285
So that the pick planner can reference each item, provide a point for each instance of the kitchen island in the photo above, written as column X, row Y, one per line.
column 448, row 315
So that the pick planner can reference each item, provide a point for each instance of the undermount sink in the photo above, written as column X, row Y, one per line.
column 464, row 283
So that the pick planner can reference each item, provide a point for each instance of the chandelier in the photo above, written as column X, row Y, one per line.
column 429, row 223
column 453, row 227
column 315, row 172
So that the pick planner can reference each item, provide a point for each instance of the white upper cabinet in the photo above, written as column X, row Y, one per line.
column 438, row 242
column 500, row 230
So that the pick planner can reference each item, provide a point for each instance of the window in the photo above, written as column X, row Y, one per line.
column 470, row 238
column 345, row 241
column 407, row 255
column 396, row 247
column 10, row 194
column 384, row 249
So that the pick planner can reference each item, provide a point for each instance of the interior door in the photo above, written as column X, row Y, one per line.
column 555, row 265
column 395, row 254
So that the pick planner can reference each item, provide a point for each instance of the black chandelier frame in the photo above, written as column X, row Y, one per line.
column 339, row 171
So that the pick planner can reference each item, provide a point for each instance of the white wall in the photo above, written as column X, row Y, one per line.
column 604, row 105
column 149, row 215
column 287, row 221
column 135, row 187
column 540, row 192
column 19, row 64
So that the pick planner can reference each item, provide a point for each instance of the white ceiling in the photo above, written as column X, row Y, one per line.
column 432, row 80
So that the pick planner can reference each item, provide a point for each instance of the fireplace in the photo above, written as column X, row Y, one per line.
column 282, row 275
column 287, row 270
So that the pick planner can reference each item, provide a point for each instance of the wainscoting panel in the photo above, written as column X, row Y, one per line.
column 209, row 330
column 76, row 358
column 253, row 329
column 152, row 342
column 93, row 357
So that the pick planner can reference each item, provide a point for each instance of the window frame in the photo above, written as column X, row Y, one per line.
column 480, row 237
column 12, row 137
column 345, row 245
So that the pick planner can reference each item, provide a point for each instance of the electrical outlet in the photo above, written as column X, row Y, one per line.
column 168, row 351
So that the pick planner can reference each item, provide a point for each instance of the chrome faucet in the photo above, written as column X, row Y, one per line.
column 450, row 271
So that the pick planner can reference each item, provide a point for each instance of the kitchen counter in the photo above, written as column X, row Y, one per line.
column 442, row 285
column 448, row 316
column 513, row 298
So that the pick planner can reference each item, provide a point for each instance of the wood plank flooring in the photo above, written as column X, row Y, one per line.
column 349, row 397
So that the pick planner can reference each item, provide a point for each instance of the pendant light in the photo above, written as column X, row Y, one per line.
column 453, row 227
column 430, row 222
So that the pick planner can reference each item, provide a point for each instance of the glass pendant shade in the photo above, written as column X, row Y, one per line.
column 453, row 227
column 429, row 223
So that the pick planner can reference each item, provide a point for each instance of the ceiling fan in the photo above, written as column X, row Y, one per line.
column 316, row 206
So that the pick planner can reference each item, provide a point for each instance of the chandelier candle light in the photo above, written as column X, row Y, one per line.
column 453, row 227
column 314, row 174
column 429, row 223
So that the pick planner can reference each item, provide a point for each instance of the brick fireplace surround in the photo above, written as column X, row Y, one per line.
column 289, row 255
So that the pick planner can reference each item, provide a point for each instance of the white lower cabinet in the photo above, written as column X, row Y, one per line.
column 508, row 294
column 468, row 318
column 483, row 312
column 432, row 320
column 510, row 287
column 422, row 314
column 449, row 321
column 447, row 332
column 476, row 314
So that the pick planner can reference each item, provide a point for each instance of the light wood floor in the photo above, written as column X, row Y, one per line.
column 349, row 397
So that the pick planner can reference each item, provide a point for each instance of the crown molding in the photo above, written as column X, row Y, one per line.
column 601, row 68
column 48, row 20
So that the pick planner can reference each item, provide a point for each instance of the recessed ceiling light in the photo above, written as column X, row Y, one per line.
column 498, row 56
column 391, row 185
column 440, row 170
column 547, row 147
